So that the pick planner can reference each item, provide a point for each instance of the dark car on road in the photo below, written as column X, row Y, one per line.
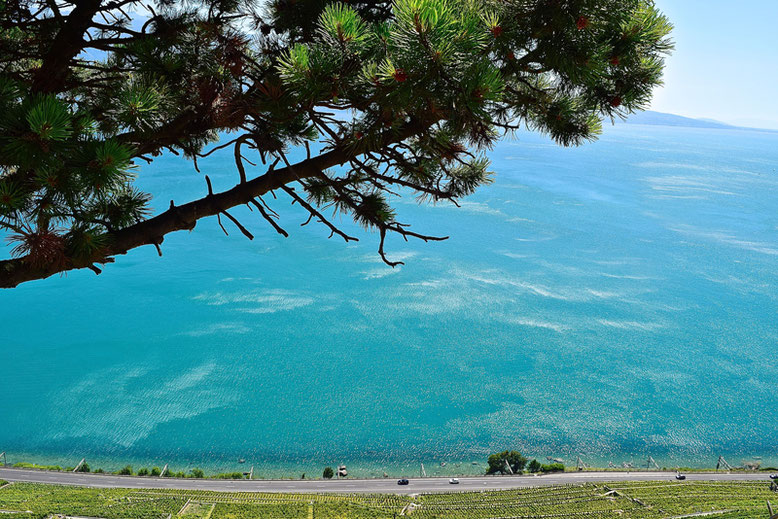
column 774, row 476
column 680, row 477
column 403, row 481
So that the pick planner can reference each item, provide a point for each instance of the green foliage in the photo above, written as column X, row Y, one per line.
column 328, row 473
column 198, row 473
column 24, row 465
column 143, row 472
column 126, row 471
column 499, row 462
column 84, row 467
column 229, row 475
column 342, row 24
column 420, row 88
column 49, row 119
column 156, row 471
column 534, row 466
column 553, row 467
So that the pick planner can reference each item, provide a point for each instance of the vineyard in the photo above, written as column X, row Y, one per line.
column 625, row 500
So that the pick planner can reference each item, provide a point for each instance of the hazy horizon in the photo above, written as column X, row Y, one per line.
column 723, row 66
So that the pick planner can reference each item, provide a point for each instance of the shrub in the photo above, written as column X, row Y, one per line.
column 99, row 471
column 554, row 467
column 143, row 472
column 229, row 475
column 328, row 473
column 198, row 473
column 156, row 471
column 126, row 471
column 534, row 466
column 84, row 468
column 24, row 465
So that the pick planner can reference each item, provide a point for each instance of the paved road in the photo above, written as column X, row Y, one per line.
column 356, row 485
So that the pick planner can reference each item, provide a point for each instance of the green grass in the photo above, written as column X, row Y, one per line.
column 643, row 500
column 24, row 465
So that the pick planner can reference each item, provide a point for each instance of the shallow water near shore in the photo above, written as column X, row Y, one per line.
column 612, row 301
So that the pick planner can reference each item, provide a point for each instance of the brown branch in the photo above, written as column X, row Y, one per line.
column 68, row 43
column 308, row 207
column 269, row 218
column 245, row 231
column 184, row 217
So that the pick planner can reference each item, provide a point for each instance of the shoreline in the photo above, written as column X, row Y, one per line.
column 275, row 472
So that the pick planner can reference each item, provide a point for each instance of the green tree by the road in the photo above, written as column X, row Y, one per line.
column 386, row 96
column 499, row 463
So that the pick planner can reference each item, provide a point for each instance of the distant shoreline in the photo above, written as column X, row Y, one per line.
column 651, row 118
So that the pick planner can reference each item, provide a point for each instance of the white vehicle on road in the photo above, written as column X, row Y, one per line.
column 453, row 481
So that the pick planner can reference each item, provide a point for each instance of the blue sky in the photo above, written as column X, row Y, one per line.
column 725, row 65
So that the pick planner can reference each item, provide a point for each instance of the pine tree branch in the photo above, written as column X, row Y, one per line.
column 314, row 213
column 185, row 217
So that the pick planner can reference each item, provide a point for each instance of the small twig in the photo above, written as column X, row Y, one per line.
column 219, row 219
column 245, row 231
column 239, row 161
column 382, row 232
column 267, row 217
column 308, row 207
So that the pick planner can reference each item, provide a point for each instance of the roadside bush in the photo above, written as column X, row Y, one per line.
column 84, row 468
column 198, row 473
column 24, row 465
column 156, row 471
column 328, row 473
column 126, row 471
column 143, row 472
column 99, row 471
column 554, row 467
column 229, row 475
column 534, row 466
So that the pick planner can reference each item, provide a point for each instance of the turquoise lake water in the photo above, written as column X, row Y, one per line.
column 612, row 301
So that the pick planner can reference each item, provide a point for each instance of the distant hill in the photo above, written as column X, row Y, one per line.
column 662, row 119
